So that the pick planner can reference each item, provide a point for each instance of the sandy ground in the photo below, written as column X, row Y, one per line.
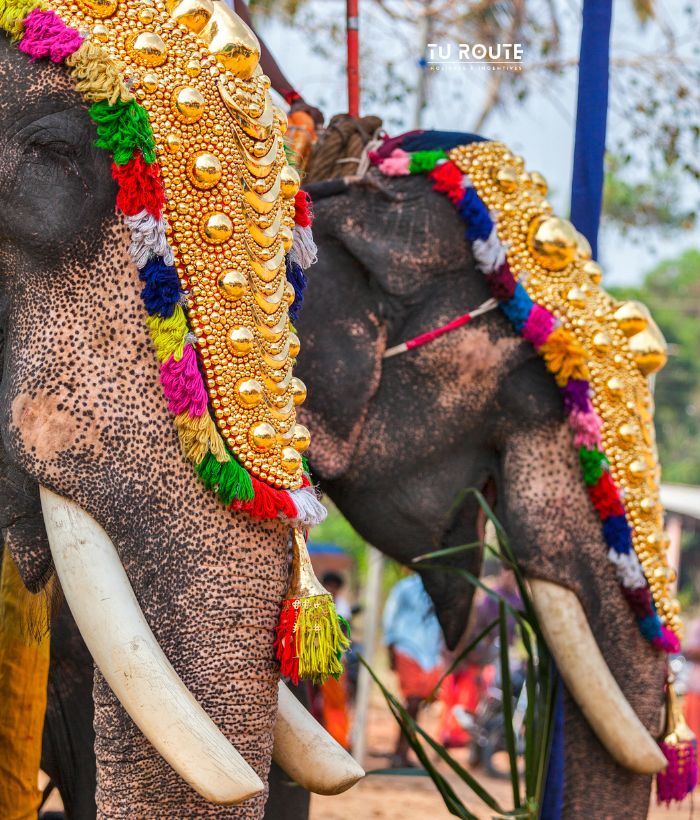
column 382, row 797
column 385, row 797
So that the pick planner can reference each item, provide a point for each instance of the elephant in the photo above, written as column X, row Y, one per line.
column 83, row 417
column 396, row 443
column 473, row 409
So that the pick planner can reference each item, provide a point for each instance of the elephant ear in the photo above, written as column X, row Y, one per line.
column 343, row 343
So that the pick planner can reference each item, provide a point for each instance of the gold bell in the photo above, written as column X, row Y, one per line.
column 553, row 242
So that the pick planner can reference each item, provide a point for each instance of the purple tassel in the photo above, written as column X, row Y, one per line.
column 296, row 276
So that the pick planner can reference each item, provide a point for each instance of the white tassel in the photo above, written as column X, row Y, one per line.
column 148, row 239
column 310, row 511
column 304, row 251
column 628, row 569
column 489, row 253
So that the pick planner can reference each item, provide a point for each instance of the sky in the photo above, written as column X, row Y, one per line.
column 541, row 130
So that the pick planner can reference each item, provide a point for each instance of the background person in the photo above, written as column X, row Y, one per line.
column 414, row 639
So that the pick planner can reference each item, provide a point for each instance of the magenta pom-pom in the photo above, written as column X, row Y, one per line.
column 539, row 326
column 46, row 35
column 183, row 385
column 668, row 641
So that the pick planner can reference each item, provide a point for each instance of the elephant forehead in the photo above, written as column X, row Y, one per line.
column 31, row 88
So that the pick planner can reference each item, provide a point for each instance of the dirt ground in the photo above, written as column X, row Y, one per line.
column 384, row 797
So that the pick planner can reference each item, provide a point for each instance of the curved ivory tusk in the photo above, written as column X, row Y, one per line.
column 590, row 682
column 307, row 753
column 110, row 620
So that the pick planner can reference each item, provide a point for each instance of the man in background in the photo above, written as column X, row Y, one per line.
column 414, row 639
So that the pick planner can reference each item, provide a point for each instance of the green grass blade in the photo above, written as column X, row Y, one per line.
column 446, row 551
column 507, row 690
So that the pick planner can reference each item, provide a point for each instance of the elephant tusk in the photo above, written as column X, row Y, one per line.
column 125, row 650
column 589, row 680
column 307, row 753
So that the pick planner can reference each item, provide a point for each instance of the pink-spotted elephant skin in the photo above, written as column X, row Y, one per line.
column 396, row 442
column 82, row 413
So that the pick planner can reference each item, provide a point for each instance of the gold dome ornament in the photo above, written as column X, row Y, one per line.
column 553, row 242
column 193, row 14
column 148, row 49
column 632, row 317
column 649, row 349
column 217, row 228
column 231, row 42
column 232, row 285
column 262, row 436
column 189, row 104
column 290, row 182
column 583, row 247
column 291, row 460
column 204, row 170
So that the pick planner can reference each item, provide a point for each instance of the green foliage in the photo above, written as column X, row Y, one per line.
column 528, row 789
column 653, row 203
column 672, row 293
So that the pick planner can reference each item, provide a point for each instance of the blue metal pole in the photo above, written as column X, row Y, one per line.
column 591, row 119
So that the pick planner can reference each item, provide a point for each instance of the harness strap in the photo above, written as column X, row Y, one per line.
column 424, row 338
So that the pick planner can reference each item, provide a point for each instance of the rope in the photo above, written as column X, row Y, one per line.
column 341, row 149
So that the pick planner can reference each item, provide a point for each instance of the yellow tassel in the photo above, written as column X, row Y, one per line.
column 199, row 436
column 97, row 75
column 310, row 642
column 13, row 12
column 168, row 334
column 564, row 356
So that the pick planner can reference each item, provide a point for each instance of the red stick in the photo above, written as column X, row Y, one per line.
column 353, row 33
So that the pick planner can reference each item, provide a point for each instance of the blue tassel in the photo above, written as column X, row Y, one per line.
column 296, row 276
column 162, row 291
column 650, row 626
column 617, row 533
column 476, row 215
column 518, row 308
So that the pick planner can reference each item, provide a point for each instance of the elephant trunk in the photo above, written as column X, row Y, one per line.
column 150, row 690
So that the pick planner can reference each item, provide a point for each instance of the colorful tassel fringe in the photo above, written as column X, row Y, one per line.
column 124, row 129
column 310, row 640
column 680, row 748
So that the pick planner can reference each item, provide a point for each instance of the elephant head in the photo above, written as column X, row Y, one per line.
column 176, row 595
column 397, row 440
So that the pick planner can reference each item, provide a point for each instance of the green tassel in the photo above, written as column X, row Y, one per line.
column 320, row 641
column 12, row 15
column 424, row 161
column 122, row 128
column 593, row 462
column 229, row 479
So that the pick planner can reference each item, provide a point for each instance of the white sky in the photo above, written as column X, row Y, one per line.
column 541, row 130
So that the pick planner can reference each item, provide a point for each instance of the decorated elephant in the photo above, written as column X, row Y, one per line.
column 488, row 415
column 83, row 416
column 175, row 577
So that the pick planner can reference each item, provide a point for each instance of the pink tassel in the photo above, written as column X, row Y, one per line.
column 668, row 641
column 539, row 326
column 397, row 164
column 183, row 385
column 46, row 35
column 587, row 429
column 680, row 777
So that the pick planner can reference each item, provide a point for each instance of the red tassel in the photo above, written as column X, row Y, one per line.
column 606, row 497
column 286, row 644
column 140, row 187
column 303, row 215
column 447, row 179
column 267, row 502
